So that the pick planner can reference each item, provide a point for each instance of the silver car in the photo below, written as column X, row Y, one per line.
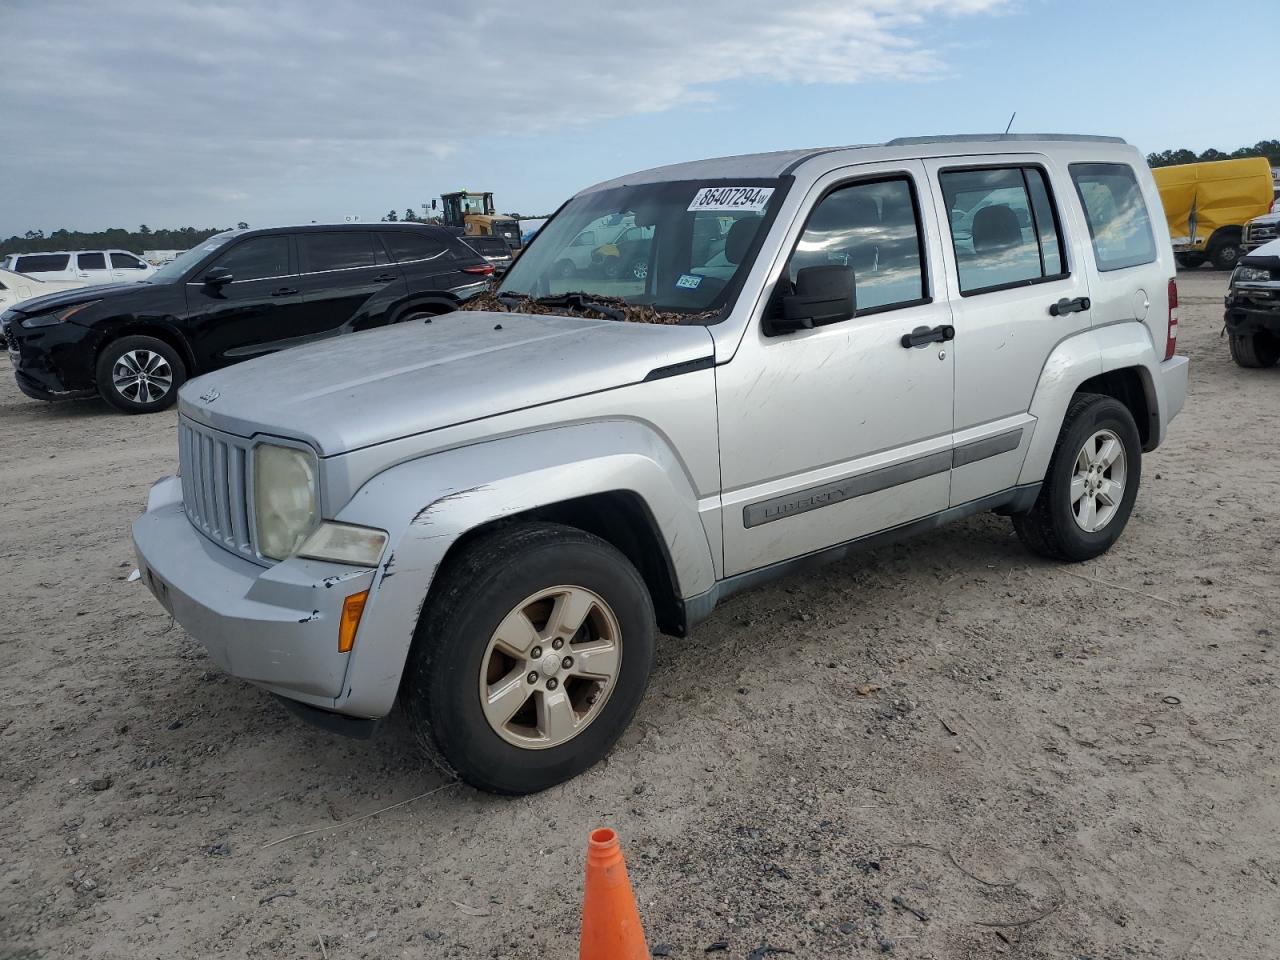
column 492, row 514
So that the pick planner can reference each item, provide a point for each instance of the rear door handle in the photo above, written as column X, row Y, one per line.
column 923, row 335
column 385, row 278
column 1065, row 306
column 284, row 292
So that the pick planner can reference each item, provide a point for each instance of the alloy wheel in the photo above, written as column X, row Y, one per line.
column 142, row 376
column 1097, row 483
column 550, row 667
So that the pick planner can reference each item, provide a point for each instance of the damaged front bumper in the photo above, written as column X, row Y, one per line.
column 1253, row 307
column 275, row 626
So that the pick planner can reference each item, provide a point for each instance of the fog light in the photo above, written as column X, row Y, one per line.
column 352, row 610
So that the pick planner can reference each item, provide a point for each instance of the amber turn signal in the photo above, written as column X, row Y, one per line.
column 352, row 608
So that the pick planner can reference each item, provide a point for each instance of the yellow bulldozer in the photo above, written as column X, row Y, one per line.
column 472, row 214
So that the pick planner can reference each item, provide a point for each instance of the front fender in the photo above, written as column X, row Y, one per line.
column 427, row 504
column 1077, row 359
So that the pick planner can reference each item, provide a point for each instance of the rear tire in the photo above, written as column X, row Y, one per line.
column 1226, row 255
column 1189, row 261
column 1061, row 525
column 140, row 374
column 469, row 666
column 1258, row 349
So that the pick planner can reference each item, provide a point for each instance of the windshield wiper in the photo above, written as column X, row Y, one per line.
column 578, row 300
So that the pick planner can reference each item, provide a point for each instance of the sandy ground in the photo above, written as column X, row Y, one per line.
column 1060, row 762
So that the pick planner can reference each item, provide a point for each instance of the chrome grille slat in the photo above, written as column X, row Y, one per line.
column 215, row 486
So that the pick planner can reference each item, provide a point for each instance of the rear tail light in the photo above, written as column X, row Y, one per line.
column 1171, row 342
column 484, row 270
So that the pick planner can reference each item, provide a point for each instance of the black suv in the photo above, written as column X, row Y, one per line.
column 237, row 295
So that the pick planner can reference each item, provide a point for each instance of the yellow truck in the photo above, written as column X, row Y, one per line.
column 1207, row 205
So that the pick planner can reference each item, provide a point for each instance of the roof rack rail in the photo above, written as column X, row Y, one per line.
column 989, row 137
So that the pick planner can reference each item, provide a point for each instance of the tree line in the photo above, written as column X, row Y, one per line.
column 1263, row 148
column 115, row 238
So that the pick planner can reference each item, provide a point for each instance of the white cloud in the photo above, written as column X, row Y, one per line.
column 160, row 100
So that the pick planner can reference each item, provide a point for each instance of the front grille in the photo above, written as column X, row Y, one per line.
column 1259, row 232
column 215, row 486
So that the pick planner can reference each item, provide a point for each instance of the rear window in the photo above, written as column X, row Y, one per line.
column 92, row 261
column 1119, row 224
column 1004, row 227
column 489, row 246
column 42, row 263
column 405, row 246
column 336, row 251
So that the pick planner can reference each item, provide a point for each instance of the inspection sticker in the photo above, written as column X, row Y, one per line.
column 689, row 281
column 746, row 199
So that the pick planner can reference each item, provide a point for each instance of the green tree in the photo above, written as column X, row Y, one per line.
column 391, row 217
column 242, row 225
column 409, row 215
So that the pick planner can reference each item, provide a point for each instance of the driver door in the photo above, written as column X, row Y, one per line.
column 834, row 433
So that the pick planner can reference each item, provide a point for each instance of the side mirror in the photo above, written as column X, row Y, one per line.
column 822, row 295
column 217, row 277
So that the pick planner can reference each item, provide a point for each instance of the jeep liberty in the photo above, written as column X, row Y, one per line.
column 491, row 514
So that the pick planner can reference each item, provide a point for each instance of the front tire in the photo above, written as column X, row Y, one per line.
column 530, row 658
column 1258, row 349
column 140, row 374
column 1091, row 484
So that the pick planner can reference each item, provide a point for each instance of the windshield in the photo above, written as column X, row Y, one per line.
column 179, row 265
column 678, row 246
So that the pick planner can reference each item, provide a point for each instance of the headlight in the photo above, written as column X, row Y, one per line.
column 345, row 543
column 285, row 503
column 1252, row 275
column 55, row 316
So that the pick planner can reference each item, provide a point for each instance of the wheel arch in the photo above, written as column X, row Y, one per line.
column 163, row 333
column 616, row 479
column 437, row 303
column 1230, row 232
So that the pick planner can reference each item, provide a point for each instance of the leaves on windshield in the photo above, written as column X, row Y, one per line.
column 631, row 312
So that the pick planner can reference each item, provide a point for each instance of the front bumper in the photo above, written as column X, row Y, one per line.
column 53, row 362
column 1254, row 307
column 274, row 626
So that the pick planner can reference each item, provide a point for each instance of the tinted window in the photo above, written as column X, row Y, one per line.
column 405, row 245
column 42, row 263
column 870, row 227
column 91, row 261
column 335, row 251
column 1117, row 215
column 256, row 259
column 1003, row 227
column 124, row 261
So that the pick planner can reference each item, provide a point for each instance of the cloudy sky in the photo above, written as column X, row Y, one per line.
column 176, row 113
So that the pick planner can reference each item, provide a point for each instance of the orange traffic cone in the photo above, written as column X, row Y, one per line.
column 610, row 922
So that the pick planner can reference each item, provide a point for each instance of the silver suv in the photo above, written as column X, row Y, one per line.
column 490, row 515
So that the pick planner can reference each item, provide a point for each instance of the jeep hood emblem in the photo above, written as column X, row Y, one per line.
column 209, row 396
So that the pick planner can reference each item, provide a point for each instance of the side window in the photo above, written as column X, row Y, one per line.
column 405, row 246
column 335, row 251
column 873, row 228
column 587, row 238
column 91, row 261
column 257, row 259
column 1119, row 224
column 1004, row 227
column 42, row 263
column 123, row 261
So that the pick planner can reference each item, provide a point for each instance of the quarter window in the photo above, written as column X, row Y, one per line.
column 91, row 261
column 405, row 246
column 336, row 251
column 257, row 259
column 874, row 229
column 1004, row 228
column 42, row 263
column 1119, row 224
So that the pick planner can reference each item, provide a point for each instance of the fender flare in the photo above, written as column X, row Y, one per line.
column 436, row 499
column 1079, row 358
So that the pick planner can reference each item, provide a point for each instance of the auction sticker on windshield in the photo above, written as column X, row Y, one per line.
column 745, row 199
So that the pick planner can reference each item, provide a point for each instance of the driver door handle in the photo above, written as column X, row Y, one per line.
column 1065, row 306
column 284, row 292
column 385, row 278
column 923, row 335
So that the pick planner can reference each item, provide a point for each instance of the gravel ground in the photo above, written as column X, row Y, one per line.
column 944, row 749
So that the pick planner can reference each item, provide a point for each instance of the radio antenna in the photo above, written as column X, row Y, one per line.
column 1010, row 126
